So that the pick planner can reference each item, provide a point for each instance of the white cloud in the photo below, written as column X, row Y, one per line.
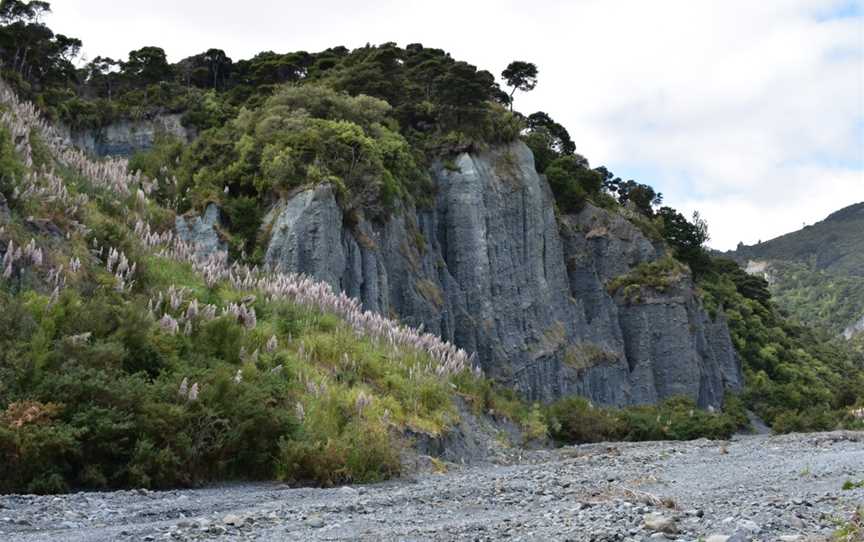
column 749, row 111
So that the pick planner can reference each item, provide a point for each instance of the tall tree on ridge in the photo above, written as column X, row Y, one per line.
column 521, row 76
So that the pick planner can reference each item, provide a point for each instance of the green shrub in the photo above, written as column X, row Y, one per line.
column 572, row 182
column 796, row 377
column 575, row 420
column 659, row 275
column 676, row 419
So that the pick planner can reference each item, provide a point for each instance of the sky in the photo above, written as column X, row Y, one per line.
column 751, row 112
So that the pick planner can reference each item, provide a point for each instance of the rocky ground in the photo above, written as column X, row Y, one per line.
column 751, row 488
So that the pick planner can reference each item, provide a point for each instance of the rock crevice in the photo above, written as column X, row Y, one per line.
column 491, row 268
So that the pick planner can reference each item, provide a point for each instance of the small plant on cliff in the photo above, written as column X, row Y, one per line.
column 658, row 275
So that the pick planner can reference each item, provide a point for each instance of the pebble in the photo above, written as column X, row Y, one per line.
column 749, row 526
column 233, row 519
column 539, row 495
column 656, row 521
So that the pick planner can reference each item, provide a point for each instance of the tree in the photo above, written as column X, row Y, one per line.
column 561, row 141
column 218, row 64
column 572, row 181
column 31, row 50
column 463, row 90
column 12, row 11
column 547, row 139
column 686, row 238
column 643, row 196
column 521, row 76
column 147, row 66
column 102, row 75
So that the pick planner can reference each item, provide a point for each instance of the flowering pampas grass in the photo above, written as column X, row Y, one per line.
column 112, row 176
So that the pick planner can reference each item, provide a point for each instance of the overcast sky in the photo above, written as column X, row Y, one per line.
column 750, row 111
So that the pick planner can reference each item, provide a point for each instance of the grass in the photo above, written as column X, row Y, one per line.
column 177, row 381
column 659, row 275
column 851, row 530
column 850, row 485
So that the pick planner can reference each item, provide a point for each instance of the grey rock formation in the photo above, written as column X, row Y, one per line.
column 306, row 233
column 492, row 269
column 202, row 232
column 125, row 138
column 854, row 330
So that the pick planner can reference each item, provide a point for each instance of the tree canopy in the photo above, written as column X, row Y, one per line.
column 520, row 75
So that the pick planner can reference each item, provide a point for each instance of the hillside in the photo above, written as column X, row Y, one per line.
column 817, row 273
column 312, row 263
column 834, row 245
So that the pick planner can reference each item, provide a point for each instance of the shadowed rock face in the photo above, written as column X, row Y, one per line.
column 491, row 269
column 125, row 138
column 201, row 232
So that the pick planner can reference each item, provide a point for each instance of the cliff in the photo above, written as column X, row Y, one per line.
column 493, row 270
column 125, row 138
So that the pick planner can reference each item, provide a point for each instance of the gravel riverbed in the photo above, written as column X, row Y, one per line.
column 782, row 488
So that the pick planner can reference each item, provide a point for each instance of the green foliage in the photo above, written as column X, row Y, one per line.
column 119, row 420
column 575, row 420
column 659, row 275
column 817, row 273
column 35, row 61
column 95, row 393
column 824, row 299
column 796, row 378
column 572, row 182
column 520, row 75
column 300, row 136
column 852, row 530
column 686, row 238
column 849, row 485
column 547, row 140
column 10, row 167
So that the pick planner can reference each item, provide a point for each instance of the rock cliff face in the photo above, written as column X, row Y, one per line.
column 202, row 231
column 125, row 138
column 854, row 330
column 492, row 269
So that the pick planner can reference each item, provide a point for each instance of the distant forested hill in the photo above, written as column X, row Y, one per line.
column 816, row 273
column 836, row 244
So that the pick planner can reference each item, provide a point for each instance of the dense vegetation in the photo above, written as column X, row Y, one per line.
column 127, row 361
column 824, row 299
column 817, row 273
column 124, row 361
column 797, row 377
column 576, row 420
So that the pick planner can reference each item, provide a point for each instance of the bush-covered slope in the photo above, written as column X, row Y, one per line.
column 834, row 244
column 817, row 273
column 125, row 359
column 828, row 300
column 128, row 360
column 797, row 377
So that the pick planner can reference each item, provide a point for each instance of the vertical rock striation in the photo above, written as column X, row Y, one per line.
column 492, row 269
column 202, row 232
